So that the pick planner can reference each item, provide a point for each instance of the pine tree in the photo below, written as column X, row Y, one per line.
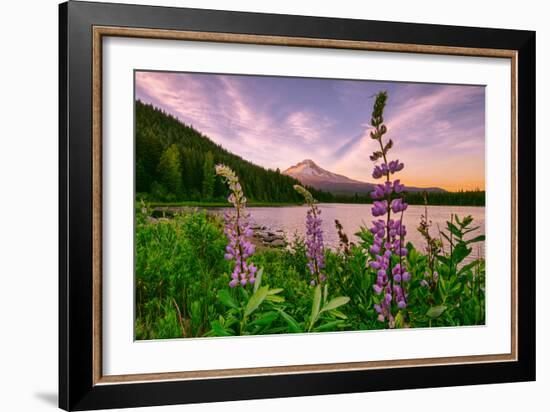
column 208, row 176
column 169, row 170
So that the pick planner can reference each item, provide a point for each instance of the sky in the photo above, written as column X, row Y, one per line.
column 438, row 130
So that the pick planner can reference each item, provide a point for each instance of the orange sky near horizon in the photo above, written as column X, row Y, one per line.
column 438, row 130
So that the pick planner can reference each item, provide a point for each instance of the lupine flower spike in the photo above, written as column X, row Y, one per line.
column 314, row 238
column 237, row 230
column 388, row 233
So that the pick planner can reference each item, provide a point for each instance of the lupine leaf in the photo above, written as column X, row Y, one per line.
column 226, row 299
column 258, row 279
column 293, row 325
column 256, row 300
column 328, row 326
column 335, row 303
column 435, row 311
column 315, row 305
column 275, row 298
column 265, row 319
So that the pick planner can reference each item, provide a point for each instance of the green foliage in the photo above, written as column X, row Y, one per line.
column 209, row 177
column 182, row 284
column 169, row 170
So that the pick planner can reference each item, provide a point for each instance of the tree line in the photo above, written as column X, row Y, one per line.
column 459, row 198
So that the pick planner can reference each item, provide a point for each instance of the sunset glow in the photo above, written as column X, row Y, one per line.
column 277, row 122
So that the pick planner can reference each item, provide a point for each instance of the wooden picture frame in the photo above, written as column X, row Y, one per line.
column 83, row 26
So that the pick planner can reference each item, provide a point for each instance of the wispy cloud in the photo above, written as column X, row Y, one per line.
column 276, row 122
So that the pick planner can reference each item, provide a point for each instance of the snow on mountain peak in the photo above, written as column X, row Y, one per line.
column 307, row 170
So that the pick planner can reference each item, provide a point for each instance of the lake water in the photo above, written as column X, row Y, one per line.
column 291, row 220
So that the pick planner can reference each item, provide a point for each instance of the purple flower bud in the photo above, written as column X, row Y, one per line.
column 377, row 289
column 406, row 276
column 401, row 304
column 424, row 283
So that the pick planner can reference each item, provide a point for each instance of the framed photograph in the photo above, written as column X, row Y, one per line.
column 257, row 205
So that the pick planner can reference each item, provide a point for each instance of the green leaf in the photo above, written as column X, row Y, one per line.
column 443, row 259
column 275, row 298
column 454, row 230
column 445, row 236
column 479, row 238
column 460, row 252
column 335, row 303
column 265, row 319
column 328, row 326
column 315, row 305
column 219, row 330
column 255, row 300
column 399, row 321
column 435, row 311
column 338, row 314
column 274, row 291
column 258, row 279
column 225, row 297
column 293, row 325
column 470, row 230
column 467, row 267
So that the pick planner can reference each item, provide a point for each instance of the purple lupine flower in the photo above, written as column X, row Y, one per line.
column 430, row 279
column 315, row 250
column 388, row 233
column 397, row 186
column 237, row 230
column 379, row 207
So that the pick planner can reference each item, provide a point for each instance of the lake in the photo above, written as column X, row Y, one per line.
column 291, row 219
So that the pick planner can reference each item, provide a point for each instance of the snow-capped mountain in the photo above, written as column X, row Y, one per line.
column 310, row 174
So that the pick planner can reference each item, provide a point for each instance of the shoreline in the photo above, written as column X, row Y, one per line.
column 218, row 205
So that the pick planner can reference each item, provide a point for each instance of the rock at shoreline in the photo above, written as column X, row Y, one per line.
column 278, row 243
column 270, row 238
